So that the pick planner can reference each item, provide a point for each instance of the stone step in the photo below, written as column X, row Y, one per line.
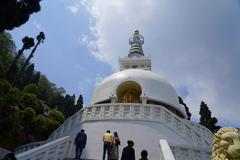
column 75, row 159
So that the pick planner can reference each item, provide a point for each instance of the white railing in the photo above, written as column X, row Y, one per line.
column 28, row 146
column 165, row 151
column 177, row 152
column 67, row 125
column 193, row 133
column 59, row 132
column 190, row 153
column 55, row 150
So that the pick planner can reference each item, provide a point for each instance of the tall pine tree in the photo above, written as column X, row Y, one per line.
column 79, row 104
column 206, row 118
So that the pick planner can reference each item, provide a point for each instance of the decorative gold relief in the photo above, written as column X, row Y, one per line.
column 129, row 92
column 226, row 144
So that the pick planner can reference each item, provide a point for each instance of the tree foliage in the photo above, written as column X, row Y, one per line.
column 68, row 106
column 30, row 88
column 7, row 47
column 186, row 108
column 79, row 104
column 32, row 109
column 56, row 115
column 10, row 121
column 206, row 118
column 22, row 116
column 28, row 115
column 28, row 42
column 40, row 38
column 14, row 13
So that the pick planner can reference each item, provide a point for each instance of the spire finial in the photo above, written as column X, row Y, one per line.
column 136, row 41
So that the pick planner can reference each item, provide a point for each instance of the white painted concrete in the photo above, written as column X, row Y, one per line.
column 55, row 150
column 153, row 86
column 165, row 150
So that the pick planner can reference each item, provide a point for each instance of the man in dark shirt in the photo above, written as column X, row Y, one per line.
column 128, row 152
column 80, row 142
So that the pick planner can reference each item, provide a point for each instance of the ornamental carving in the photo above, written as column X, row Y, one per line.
column 226, row 144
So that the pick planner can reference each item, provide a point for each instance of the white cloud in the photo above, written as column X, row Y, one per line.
column 84, row 39
column 193, row 43
column 73, row 8
column 92, row 45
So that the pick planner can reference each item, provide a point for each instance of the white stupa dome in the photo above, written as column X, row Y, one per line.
column 152, row 86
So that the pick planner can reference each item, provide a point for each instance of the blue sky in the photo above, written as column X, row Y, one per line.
column 62, row 57
column 193, row 44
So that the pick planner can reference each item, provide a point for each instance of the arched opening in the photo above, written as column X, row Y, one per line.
column 129, row 92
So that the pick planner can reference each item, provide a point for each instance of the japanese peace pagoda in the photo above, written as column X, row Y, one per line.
column 137, row 103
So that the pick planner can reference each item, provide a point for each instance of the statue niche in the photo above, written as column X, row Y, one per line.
column 129, row 92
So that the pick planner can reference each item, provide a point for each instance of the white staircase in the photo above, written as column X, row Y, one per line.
column 176, row 152
column 59, row 145
column 55, row 150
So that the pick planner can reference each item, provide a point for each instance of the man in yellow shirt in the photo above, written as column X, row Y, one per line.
column 107, row 142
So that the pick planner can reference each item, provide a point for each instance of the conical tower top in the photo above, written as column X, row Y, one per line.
column 136, row 41
column 135, row 58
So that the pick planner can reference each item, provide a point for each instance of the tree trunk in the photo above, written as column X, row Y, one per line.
column 25, row 64
column 20, row 52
